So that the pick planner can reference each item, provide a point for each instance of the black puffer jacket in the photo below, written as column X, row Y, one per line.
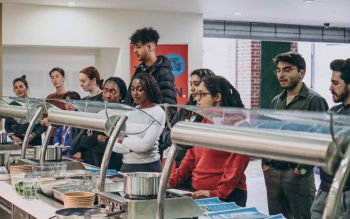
column 161, row 71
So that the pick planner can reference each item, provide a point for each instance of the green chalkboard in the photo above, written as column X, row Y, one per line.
column 269, row 84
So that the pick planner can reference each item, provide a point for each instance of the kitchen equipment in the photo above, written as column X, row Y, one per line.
column 50, row 169
column 3, row 137
column 141, row 185
column 45, row 185
column 78, row 199
column 86, row 213
column 175, row 206
column 4, row 158
column 53, row 152
column 20, row 168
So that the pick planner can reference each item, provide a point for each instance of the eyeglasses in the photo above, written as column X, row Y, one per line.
column 285, row 70
column 199, row 96
column 195, row 83
column 112, row 91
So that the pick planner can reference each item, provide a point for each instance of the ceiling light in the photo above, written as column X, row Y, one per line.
column 309, row 1
column 237, row 13
column 71, row 4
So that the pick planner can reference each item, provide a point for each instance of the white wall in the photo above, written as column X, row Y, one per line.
column 29, row 25
column 325, row 53
column 219, row 55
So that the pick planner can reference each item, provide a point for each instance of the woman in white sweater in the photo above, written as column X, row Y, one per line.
column 144, row 126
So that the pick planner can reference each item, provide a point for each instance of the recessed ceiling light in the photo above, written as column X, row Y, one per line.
column 238, row 13
column 309, row 1
column 71, row 4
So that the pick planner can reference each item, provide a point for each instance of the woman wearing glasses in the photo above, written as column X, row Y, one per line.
column 214, row 173
column 185, row 115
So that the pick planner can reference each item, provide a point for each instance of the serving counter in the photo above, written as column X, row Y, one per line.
column 13, row 206
column 319, row 139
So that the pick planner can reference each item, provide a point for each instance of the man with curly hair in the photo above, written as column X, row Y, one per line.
column 145, row 42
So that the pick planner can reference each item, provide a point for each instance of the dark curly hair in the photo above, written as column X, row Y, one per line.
column 122, row 87
column 71, row 95
column 343, row 66
column 293, row 58
column 150, row 86
column 144, row 35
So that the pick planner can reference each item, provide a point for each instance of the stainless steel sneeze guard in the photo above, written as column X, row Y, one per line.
column 13, row 111
column 77, row 119
column 293, row 146
column 299, row 147
column 28, row 113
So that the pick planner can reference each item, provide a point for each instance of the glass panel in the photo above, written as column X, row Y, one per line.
column 304, row 121
column 115, row 109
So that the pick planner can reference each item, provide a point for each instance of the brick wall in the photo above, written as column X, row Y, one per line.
column 243, row 70
column 248, row 70
column 255, row 74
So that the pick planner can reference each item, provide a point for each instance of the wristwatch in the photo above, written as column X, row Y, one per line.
column 301, row 170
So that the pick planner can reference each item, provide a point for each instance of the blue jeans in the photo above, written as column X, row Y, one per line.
column 319, row 204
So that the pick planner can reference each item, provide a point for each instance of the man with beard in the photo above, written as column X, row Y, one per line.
column 145, row 43
column 290, row 186
column 340, row 89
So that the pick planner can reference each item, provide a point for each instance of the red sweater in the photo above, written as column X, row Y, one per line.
column 56, row 103
column 217, row 171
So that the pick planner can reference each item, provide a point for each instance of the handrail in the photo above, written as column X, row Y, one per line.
column 38, row 112
column 108, row 152
column 46, row 141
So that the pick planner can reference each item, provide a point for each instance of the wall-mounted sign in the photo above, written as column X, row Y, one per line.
column 178, row 55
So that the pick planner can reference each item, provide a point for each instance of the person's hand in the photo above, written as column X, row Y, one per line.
column 31, row 137
column 77, row 156
column 200, row 193
column 101, row 138
column 120, row 140
column 265, row 167
column 16, row 139
column 44, row 122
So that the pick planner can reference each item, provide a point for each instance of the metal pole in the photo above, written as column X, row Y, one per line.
column 13, row 111
column 313, row 148
column 164, row 181
column 36, row 115
column 337, row 187
column 108, row 152
column 45, row 143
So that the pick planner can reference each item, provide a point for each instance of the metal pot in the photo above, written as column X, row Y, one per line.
column 4, row 158
column 53, row 152
column 3, row 137
column 86, row 213
column 140, row 185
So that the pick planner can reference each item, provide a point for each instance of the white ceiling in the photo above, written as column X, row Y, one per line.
column 335, row 12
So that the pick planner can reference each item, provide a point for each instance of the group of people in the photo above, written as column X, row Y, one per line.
column 290, row 186
column 210, row 173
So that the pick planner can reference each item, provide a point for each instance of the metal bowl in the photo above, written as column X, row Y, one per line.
column 141, row 184
column 85, row 213
column 53, row 152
